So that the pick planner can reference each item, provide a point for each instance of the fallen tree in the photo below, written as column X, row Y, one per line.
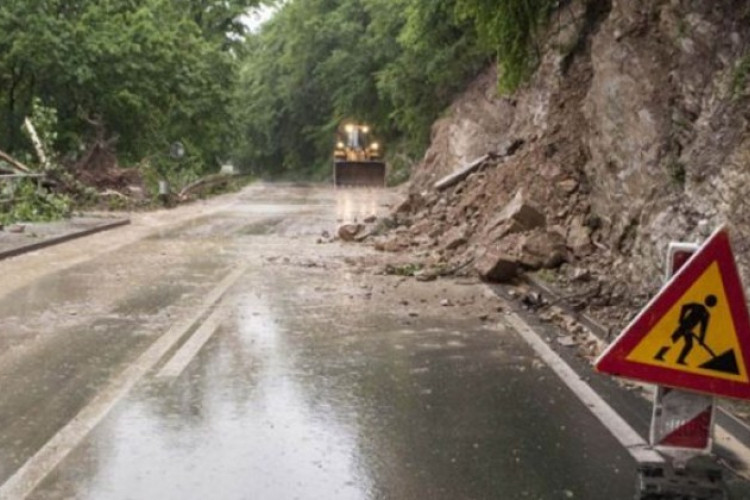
column 14, row 164
column 203, row 183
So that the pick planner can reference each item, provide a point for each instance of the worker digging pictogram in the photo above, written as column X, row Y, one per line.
column 693, row 326
column 695, row 333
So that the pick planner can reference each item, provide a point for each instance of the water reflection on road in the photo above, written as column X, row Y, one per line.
column 304, row 393
column 356, row 204
column 316, row 387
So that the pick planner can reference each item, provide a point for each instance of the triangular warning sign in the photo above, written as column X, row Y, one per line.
column 695, row 334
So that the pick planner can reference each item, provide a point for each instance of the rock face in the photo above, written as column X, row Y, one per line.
column 633, row 132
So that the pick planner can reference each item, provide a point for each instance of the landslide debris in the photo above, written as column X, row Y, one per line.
column 632, row 133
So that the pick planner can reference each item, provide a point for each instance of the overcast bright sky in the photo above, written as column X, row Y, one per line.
column 256, row 17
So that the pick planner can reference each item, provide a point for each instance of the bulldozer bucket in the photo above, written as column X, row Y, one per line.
column 359, row 173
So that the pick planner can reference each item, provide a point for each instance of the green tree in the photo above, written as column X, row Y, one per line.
column 392, row 63
column 396, row 64
column 147, row 71
column 511, row 29
column 438, row 56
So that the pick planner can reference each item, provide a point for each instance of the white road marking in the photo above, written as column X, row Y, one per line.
column 638, row 448
column 741, row 452
column 25, row 479
column 741, row 463
column 185, row 354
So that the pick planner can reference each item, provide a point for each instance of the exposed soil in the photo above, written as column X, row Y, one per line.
column 616, row 141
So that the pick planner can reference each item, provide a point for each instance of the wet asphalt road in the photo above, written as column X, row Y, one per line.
column 305, row 379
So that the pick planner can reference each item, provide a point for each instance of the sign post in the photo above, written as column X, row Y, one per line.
column 681, row 422
column 692, row 340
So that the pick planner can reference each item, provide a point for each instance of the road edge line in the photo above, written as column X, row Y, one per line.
column 638, row 448
column 733, row 426
column 38, row 466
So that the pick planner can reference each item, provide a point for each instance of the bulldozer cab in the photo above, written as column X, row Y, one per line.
column 357, row 158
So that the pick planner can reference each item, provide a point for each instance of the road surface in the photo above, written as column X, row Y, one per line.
column 228, row 350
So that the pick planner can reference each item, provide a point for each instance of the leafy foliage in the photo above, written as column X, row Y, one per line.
column 150, row 71
column 511, row 29
column 29, row 202
column 45, row 123
column 395, row 64
column 438, row 56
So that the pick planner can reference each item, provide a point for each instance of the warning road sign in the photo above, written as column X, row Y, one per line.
column 695, row 334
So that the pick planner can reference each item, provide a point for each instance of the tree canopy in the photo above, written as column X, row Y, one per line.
column 147, row 71
column 151, row 72
column 395, row 64
column 391, row 63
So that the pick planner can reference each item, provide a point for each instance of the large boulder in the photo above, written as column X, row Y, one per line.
column 348, row 232
column 542, row 249
column 495, row 265
column 517, row 216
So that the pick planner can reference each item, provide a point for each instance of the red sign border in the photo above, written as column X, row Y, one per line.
column 614, row 359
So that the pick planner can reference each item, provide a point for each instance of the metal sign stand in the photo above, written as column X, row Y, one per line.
column 682, row 429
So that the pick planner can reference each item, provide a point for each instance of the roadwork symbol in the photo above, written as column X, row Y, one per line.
column 696, row 316
column 695, row 334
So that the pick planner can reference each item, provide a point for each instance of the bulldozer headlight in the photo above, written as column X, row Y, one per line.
column 375, row 146
column 340, row 145
column 349, row 128
column 365, row 129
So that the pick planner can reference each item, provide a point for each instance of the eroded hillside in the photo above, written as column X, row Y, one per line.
column 632, row 133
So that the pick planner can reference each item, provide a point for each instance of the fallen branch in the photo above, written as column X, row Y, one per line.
column 38, row 147
column 15, row 164
column 461, row 174
column 209, row 180
column 111, row 192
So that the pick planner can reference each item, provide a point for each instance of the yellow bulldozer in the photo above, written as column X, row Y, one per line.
column 357, row 158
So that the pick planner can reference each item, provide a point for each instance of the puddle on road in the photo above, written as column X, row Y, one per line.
column 347, row 405
column 355, row 205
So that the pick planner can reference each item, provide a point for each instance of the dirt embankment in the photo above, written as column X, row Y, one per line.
column 632, row 133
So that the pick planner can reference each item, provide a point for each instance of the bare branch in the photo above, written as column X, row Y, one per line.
column 15, row 164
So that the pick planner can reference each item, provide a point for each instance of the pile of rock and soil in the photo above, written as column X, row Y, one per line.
column 632, row 133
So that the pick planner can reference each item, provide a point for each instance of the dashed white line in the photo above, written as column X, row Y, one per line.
column 182, row 358
column 26, row 478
